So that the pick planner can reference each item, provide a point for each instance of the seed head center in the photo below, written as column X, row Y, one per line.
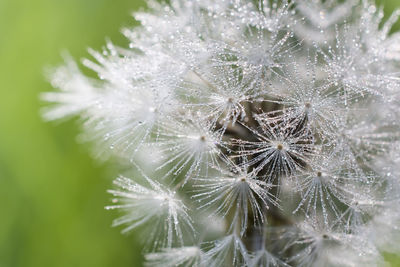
column 279, row 146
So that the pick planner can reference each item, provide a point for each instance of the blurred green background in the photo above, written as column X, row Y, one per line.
column 52, row 193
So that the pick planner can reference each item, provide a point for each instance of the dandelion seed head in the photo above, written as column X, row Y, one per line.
column 271, row 128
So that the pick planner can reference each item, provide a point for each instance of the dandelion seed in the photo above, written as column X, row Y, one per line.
column 280, row 149
column 264, row 258
column 228, row 251
column 236, row 191
column 154, row 207
column 77, row 92
column 320, row 19
column 263, row 255
column 223, row 100
column 184, row 256
column 321, row 245
column 191, row 145
column 307, row 99
column 329, row 184
column 350, row 67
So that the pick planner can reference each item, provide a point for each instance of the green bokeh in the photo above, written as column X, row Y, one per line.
column 52, row 193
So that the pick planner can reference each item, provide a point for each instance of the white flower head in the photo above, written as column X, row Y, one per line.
column 258, row 116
